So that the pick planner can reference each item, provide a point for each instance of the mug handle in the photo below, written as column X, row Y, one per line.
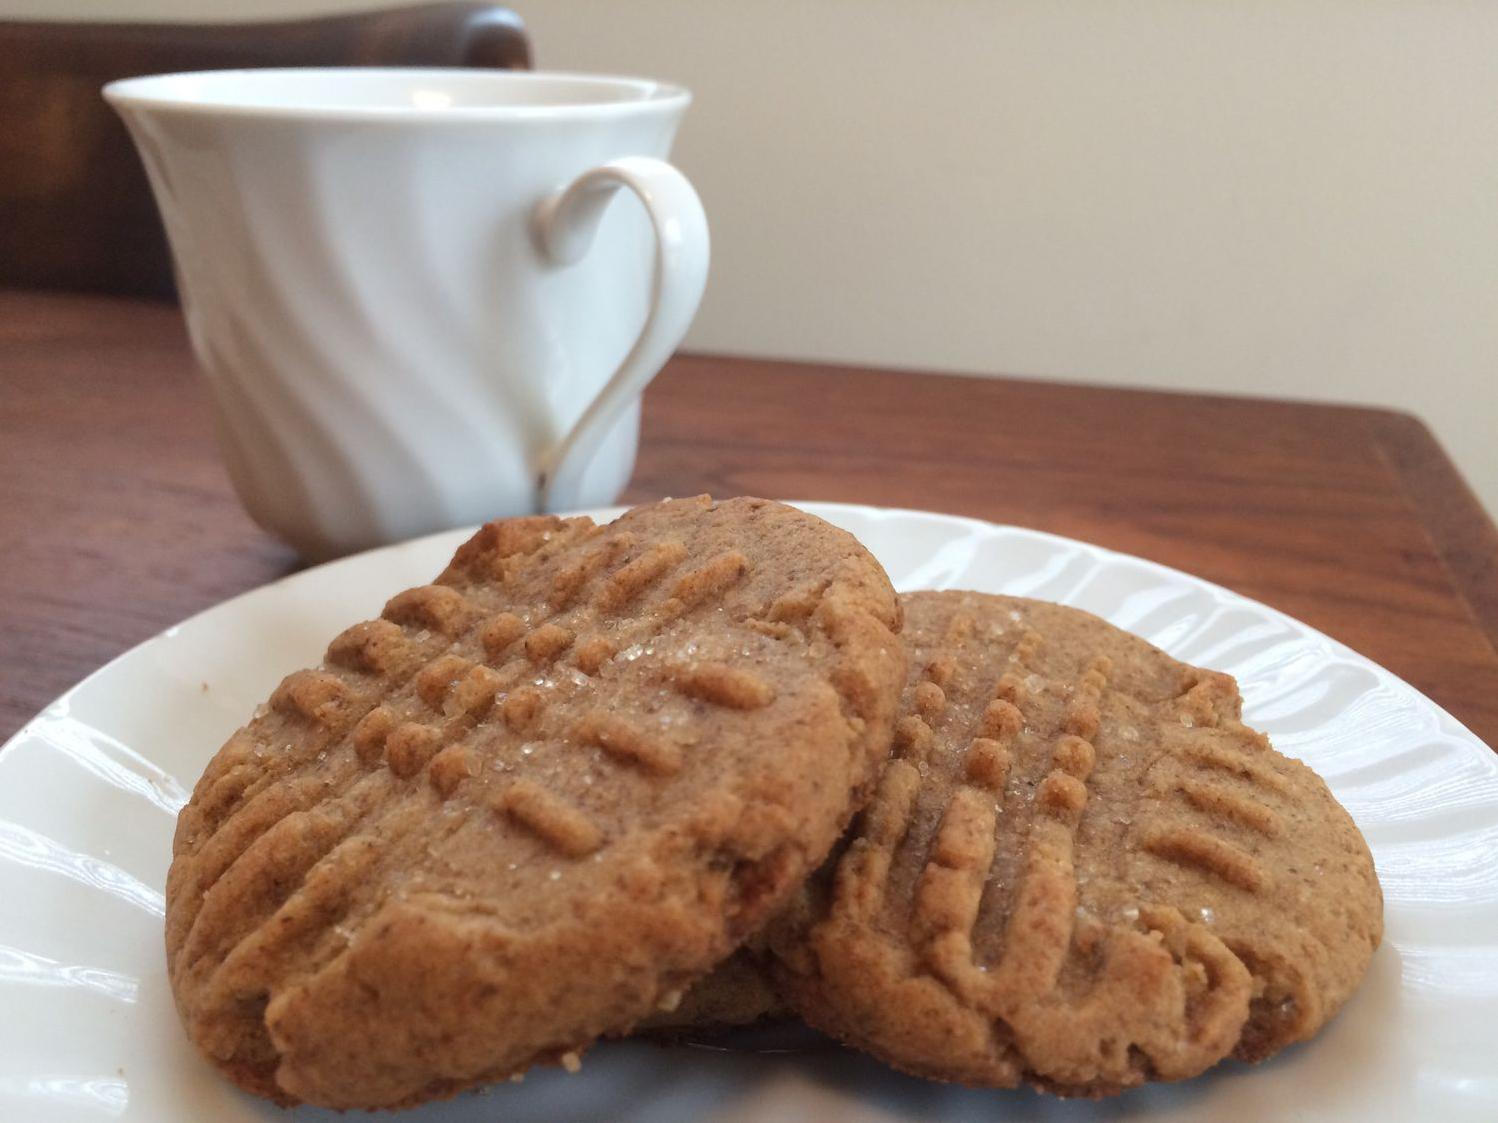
column 565, row 224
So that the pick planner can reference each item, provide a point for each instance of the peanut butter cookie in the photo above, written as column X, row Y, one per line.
column 532, row 802
column 1079, row 869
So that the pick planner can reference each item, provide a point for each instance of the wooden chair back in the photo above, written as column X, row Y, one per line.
column 76, row 211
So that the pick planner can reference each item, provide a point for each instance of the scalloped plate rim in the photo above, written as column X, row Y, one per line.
column 1218, row 592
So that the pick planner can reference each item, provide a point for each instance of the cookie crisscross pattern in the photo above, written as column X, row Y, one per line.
column 578, row 749
column 1078, row 869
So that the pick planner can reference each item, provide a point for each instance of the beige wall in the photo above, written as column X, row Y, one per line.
column 1290, row 198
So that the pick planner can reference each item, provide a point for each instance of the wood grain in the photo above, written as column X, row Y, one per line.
column 117, row 520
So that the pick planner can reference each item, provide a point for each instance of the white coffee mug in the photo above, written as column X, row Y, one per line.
column 406, row 289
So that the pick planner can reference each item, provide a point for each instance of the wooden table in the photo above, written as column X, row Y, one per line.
column 116, row 517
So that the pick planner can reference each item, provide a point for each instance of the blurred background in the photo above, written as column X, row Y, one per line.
column 1293, row 199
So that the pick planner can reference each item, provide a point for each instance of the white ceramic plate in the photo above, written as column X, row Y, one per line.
column 90, row 789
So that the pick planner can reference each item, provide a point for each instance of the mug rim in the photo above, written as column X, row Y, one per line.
column 162, row 93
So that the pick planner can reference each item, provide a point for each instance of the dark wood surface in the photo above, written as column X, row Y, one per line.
column 117, row 520
column 77, row 210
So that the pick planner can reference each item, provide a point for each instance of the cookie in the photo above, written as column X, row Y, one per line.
column 1079, row 869
column 532, row 802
